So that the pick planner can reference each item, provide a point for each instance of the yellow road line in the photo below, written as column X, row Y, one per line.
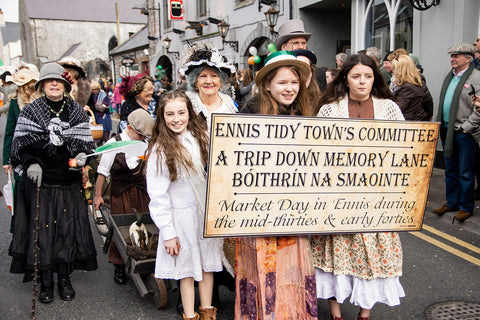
column 446, row 247
column 452, row 239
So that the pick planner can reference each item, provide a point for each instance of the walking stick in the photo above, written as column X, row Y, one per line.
column 36, row 248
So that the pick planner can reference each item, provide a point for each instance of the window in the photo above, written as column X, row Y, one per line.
column 377, row 31
column 112, row 43
column 167, row 23
column 243, row 3
column 201, row 8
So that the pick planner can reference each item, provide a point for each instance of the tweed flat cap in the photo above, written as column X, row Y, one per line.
column 462, row 48
column 141, row 121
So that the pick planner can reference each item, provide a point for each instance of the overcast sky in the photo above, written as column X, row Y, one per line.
column 10, row 10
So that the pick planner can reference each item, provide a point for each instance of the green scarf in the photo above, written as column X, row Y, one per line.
column 453, row 107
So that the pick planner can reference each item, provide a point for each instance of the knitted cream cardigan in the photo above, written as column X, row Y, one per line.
column 384, row 109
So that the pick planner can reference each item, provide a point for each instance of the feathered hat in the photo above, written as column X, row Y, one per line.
column 205, row 54
column 128, row 82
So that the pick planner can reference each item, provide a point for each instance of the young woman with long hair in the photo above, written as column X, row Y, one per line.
column 176, row 184
column 364, row 266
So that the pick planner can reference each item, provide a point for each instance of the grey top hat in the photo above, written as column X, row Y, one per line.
column 291, row 29
column 53, row 71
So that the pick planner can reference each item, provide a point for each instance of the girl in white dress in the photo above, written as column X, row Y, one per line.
column 176, row 184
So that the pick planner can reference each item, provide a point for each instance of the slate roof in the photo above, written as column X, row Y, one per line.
column 138, row 40
column 86, row 10
column 10, row 32
column 70, row 50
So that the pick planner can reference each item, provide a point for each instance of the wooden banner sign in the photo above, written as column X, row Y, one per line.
column 280, row 175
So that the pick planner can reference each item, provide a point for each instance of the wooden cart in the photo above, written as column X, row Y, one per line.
column 141, row 271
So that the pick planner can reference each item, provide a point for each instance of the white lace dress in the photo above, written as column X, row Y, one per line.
column 228, row 106
column 177, row 212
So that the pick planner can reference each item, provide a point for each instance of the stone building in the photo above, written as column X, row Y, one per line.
column 131, row 57
column 11, row 50
column 86, row 30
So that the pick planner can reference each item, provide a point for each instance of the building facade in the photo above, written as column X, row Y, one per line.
column 336, row 26
column 11, row 51
column 86, row 30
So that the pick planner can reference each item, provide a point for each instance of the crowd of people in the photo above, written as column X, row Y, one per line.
column 279, row 277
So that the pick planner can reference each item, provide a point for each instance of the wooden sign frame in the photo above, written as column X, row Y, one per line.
column 282, row 175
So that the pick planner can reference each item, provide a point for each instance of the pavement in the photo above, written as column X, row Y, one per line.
column 436, row 197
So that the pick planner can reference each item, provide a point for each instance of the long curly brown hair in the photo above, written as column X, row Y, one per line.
column 167, row 143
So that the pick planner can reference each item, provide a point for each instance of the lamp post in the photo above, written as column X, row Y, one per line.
column 223, row 30
column 272, row 17
column 167, row 42
column 423, row 5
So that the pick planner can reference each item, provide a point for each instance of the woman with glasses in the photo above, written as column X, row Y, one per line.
column 138, row 92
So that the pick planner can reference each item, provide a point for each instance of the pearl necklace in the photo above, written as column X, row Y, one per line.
column 57, row 114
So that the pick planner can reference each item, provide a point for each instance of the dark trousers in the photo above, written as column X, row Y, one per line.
column 459, row 171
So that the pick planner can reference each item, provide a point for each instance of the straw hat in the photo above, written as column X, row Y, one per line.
column 291, row 29
column 282, row 59
column 26, row 72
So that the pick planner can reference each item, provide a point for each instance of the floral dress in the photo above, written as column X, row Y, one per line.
column 274, row 276
column 275, row 279
column 364, row 266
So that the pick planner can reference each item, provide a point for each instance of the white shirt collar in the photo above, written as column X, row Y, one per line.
column 456, row 75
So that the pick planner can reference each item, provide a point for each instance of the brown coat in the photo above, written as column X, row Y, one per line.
column 415, row 102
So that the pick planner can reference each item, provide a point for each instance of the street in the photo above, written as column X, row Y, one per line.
column 441, row 263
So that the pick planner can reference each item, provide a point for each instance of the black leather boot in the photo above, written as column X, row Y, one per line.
column 46, row 286
column 119, row 274
column 46, row 293
column 65, row 289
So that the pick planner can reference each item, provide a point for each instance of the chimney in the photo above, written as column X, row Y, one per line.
column 2, row 19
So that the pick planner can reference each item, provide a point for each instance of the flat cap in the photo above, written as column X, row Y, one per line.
column 141, row 121
column 462, row 48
